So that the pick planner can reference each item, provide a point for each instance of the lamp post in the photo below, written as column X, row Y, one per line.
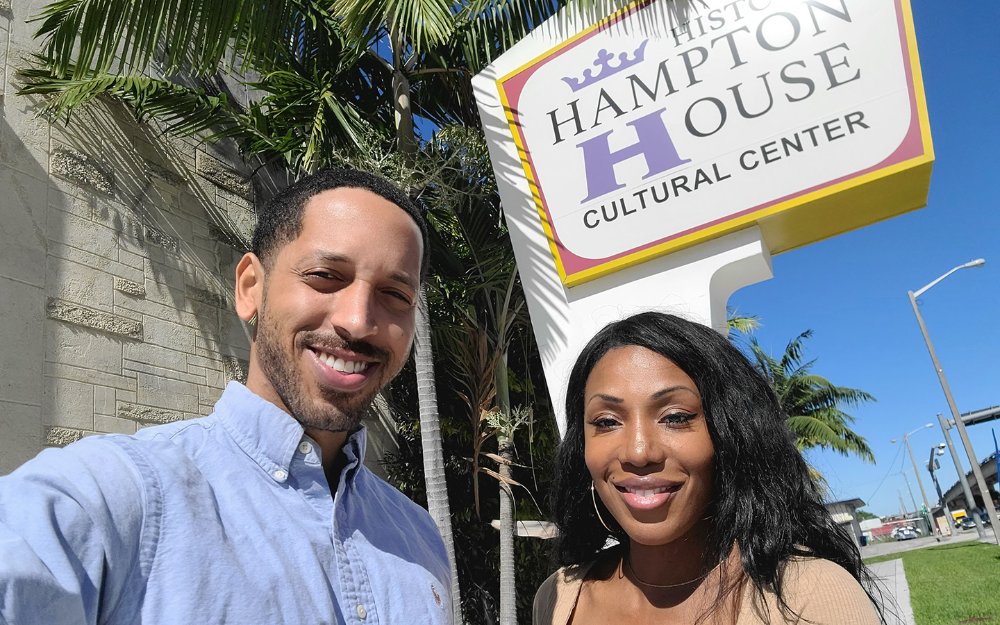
column 966, row 491
column 932, row 466
column 916, row 472
column 973, row 460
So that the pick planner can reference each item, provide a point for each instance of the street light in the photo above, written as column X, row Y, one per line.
column 932, row 466
column 966, row 491
column 916, row 472
column 973, row 460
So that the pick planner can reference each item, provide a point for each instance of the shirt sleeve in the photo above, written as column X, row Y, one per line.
column 824, row 593
column 545, row 601
column 70, row 531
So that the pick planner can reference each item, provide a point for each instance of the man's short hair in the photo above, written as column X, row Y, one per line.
column 279, row 220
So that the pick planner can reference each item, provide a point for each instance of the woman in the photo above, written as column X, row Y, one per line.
column 680, row 496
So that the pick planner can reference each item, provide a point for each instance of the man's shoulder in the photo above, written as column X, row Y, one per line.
column 116, row 459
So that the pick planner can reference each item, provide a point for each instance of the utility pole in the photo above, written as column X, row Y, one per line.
column 970, row 502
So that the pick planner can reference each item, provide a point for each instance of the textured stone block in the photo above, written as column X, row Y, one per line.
column 57, row 436
column 207, row 296
column 130, row 288
column 81, row 169
column 158, row 237
column 94, row 319
column 147, row 414
column 235, row 369
column 223, row 176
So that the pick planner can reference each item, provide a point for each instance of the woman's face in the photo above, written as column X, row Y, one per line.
column 647, row 445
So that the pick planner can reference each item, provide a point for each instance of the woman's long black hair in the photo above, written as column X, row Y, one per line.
column 765, row 500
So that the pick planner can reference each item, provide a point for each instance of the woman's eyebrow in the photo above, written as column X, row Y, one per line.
column 611, row 399
column 671, row 389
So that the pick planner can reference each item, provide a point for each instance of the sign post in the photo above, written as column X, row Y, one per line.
column 656, row 157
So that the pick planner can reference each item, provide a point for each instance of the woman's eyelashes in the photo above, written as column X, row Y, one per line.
column 676, row 418
column 604, row 422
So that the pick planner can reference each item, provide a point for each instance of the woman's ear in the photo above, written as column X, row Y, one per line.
column 249, row 287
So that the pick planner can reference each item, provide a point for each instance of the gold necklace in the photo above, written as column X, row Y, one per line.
column 627, row 564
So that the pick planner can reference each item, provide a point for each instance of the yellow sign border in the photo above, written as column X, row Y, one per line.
column 860, row 200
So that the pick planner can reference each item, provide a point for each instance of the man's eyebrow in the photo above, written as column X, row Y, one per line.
column 405, row 279
column 320, row 256
column 333, row 257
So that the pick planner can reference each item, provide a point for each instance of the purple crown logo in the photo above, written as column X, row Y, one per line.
column 605, row 67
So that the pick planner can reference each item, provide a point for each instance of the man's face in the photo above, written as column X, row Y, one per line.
column 336, row 311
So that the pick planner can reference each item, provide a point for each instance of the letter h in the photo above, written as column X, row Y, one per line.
column 654, row 144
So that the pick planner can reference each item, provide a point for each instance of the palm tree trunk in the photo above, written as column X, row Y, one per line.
column 508, row 588
column 430, row 441
column 423, row 353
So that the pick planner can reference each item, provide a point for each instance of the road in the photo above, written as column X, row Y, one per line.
column 898, row 546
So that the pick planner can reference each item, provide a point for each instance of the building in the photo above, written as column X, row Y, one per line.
column 118, row 247
column 844, row 514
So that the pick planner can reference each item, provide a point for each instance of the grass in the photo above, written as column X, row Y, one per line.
column 952, row 584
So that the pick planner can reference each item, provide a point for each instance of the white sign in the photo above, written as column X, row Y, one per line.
column 656, row 158
column 641, row 135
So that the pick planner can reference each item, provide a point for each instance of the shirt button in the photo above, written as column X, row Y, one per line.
column 305, row 447
column 280, row 475
column 362, row 612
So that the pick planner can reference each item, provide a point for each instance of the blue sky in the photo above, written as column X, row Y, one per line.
column 851, row 290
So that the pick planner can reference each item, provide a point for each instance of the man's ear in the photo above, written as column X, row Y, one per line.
column 249, row 287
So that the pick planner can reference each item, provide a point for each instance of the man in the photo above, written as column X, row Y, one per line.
column 261, row 512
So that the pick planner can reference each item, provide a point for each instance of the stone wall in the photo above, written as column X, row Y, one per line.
column 118, row 247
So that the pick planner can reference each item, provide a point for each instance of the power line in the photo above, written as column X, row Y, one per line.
column 892, row 466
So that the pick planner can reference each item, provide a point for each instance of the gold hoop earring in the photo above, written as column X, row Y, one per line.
column 593, row 498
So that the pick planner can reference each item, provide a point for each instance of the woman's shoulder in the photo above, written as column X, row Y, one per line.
column 822, row 592
column 557, row 596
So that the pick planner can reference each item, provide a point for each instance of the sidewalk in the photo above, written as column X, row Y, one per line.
column 892, row 581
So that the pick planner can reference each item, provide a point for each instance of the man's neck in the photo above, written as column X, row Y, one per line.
column 331, row 445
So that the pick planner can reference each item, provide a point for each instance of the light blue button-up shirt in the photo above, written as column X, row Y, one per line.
column 224, row 519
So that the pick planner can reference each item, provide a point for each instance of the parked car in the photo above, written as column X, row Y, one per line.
column 965, row 523
column 904, row 533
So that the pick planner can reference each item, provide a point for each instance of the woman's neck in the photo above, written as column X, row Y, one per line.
column 681, row 562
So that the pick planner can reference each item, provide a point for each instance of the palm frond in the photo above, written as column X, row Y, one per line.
column 185, row 110
column 95, row 35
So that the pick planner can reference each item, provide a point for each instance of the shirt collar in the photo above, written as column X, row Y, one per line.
column 269, row 435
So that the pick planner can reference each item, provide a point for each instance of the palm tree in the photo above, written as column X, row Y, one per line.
column 811, row 403
column 324, row 78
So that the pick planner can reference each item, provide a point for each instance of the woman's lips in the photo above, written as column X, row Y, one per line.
column 646, row 495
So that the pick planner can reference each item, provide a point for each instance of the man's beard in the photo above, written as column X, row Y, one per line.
column 333, row 411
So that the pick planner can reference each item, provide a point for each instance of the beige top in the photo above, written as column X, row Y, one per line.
column 820, row 592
